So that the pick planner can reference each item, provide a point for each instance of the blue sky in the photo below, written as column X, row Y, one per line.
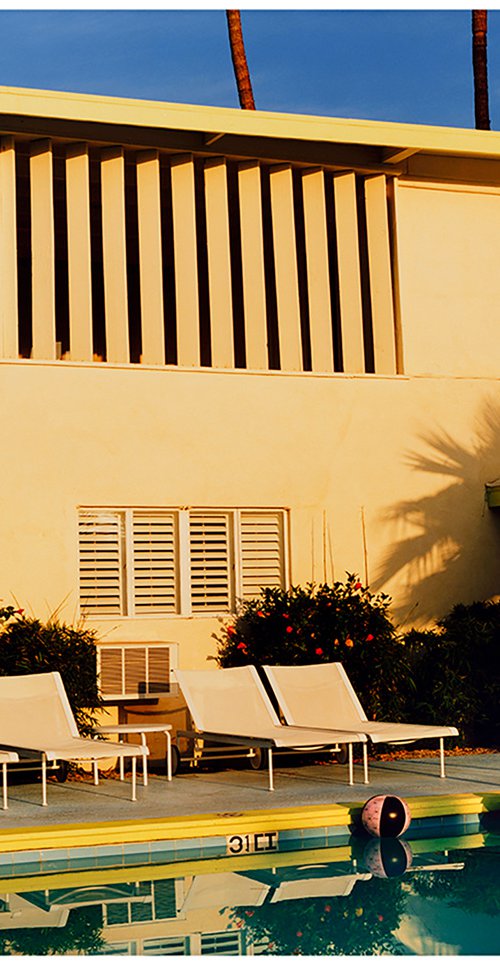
column 384, row 64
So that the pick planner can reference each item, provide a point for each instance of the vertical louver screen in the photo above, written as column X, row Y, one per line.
column 210, row 562
column 261, row 543
column 101, row 563
column 154, row 555
column 134, row 670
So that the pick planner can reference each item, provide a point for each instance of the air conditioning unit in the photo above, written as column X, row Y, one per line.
column 136, row 670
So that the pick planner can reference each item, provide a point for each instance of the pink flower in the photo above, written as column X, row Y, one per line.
column 349, row 642
column 319, row 650
column 369, row 637
column 260, row 613
column 289, row 630
column 358, row 585
column 20, row 611
column 242, row 647
column 336, row 642
column 230, row 631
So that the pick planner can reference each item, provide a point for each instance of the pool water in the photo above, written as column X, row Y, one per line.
column 428, row 896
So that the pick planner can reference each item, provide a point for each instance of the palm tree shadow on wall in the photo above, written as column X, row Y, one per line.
column 449, row 548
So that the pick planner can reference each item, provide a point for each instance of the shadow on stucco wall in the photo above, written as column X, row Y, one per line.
column 446, row 547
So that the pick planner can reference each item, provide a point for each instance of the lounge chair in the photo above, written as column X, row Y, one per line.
column 231, row 706
column 36, row 722
column 6, row 757
column 321, row 696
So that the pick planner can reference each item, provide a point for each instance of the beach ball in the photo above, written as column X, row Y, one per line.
column 385, row 816
column 387, row 858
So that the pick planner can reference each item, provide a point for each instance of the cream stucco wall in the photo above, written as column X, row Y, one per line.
column 404, row 458
column 448, row 242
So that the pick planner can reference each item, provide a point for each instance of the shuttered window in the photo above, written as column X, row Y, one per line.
column 101, row 563
column 154, row 562
column 171, row 561
column 210, row 562
column 262, row 552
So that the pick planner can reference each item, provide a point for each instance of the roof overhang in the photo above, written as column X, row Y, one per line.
column 231, row 130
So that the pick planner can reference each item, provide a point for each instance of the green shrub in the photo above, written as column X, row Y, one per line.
column 456, row 668
column 322, row 623
column 27, row 646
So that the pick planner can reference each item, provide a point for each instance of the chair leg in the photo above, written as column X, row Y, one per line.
column 134, row 779
column 351, row 767
column 169, row 756
column 4, row 785
column 270, row 763
column 365, row 761
column 144, row 761
column 441, row 758
column 44, row 780
column 96, row 772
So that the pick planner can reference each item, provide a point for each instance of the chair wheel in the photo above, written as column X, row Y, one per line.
column 260, row 759
column 342, row 756
column 62, row 771
column 176, row 760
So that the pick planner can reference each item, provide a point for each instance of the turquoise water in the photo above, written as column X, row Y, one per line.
column 424, row 896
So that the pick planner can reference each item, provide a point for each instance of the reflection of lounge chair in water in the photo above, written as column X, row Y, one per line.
column 223, row 889
column 231, row 706
column 321, row 696
column 18, row 912
column 325, row 887
column 232, row 889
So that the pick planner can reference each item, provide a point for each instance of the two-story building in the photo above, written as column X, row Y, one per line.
column 241, row 349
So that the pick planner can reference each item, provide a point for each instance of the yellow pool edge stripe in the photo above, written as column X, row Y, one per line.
column 228, row 823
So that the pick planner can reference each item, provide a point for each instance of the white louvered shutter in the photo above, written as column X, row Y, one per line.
column 101, row 562
column 262, row 551
column 210, row 556
column 154, row 542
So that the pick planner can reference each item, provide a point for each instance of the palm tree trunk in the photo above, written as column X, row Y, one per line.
column 239, row 60
column 480, row 68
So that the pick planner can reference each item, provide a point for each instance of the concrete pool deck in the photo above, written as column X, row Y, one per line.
column 197, row 805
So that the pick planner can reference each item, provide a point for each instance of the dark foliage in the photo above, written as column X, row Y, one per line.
column 81, row 934
column 27, row 646
column 456, row 669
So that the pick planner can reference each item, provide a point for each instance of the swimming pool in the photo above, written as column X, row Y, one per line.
column 436, row 893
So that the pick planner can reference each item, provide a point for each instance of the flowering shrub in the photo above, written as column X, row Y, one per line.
column 361, row 923
column 318, row 623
